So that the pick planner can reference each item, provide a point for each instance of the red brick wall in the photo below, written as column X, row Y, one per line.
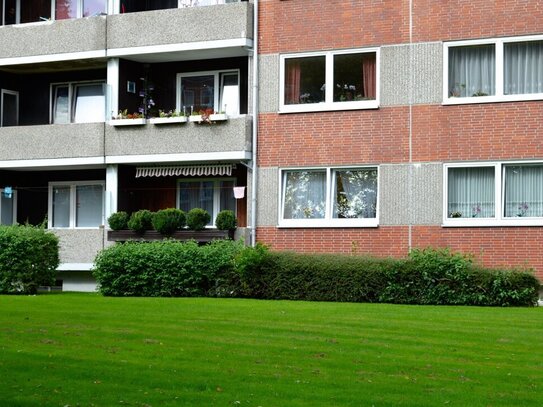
column 493, row 247
column 351, row 137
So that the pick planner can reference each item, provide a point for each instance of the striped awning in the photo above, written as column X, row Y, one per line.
column 184, row 170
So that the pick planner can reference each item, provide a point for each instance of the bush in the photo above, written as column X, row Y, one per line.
column 141, row 221
column 167, row 221
column 197, row 219
column 226, row 220
column 118, row 220
column 165, row 268
column 28, row 258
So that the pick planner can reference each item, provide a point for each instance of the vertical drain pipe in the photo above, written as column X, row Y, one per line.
column 254, row 184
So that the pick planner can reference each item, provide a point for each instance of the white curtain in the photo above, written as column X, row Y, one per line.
column 471, row 193
column 524, row 190
column 305, row 195
column 523, row 68
column 89, row 205
column 355, row 194
column 472, row 71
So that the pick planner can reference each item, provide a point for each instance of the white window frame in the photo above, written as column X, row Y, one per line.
column 72, row 86
column 329, row 104
column 73, row 210
column 499, row 218
column 217, row 94
column 328, row 221
column 7, row 92
column 14, row 197
column 499, row 60
column 216, row 195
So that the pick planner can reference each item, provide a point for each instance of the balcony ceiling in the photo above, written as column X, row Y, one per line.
column 59, row 66
column 197, row 54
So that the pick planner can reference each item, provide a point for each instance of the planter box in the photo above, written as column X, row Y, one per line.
column 201, row 236
column 195, row 118
column 168, row 120
column 127, row 122
column 212, row 117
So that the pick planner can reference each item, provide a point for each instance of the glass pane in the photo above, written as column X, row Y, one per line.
column 61, row 207
column 89, row 202
column 35, row 10
column 304, row 194
column 197, row 194
column 9, row 110
column 130, row 6
column 524, row 190
column 89, row 103
column 355, row 194
column 228, row 201
column 198, row 92
column 230, row 94
column 6, row 209
column 93, row 7
column 304, row 80
column 354, row 77
column 523, row 68
column 472, row 71
column 471, row 193
column 10, row 14
column 66, row 9
column 61, row 109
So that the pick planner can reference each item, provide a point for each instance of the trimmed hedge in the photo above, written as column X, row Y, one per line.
column 28, row 259
column 167, row 221
column 141, row 221
column 197, row 219
column 118, row 220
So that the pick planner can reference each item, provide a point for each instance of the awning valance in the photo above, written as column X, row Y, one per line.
column 184, row 170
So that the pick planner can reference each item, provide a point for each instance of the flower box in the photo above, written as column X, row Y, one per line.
column 219, row 117
column 201, row 236
column 127, row 122
column 195, row 118
column 168, row 120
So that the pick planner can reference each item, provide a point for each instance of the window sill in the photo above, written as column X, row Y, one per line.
column 513, row 222
column 325, row 107
column 323, row 224
column 492, row 99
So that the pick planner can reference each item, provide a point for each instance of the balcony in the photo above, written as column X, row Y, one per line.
column 179, row 142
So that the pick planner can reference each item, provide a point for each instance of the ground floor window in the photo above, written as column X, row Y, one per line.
column 213, row 195
column 494, row 193
column 8, row 206
column 329, row 197
column 76, row 204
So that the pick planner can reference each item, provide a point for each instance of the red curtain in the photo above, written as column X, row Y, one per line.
column 368, row 76
column 292, row 82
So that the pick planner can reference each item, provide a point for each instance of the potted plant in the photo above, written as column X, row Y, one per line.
column 127, row 119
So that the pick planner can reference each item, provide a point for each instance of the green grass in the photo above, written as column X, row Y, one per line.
column 77, row 349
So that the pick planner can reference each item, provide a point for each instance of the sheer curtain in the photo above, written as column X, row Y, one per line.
column 305, row 195
column 523, row 68
column 524, row 190
column 472, row 71
column 356, row 194
column 471, row 193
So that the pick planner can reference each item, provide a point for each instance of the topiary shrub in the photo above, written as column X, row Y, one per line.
column 197, row 219
column 141, row 221
column 226, row 220
column 118, row 220
column 28, row 259
column 167, row 221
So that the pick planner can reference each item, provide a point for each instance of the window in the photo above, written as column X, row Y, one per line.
column 329, row 197
column 76, row 204
column 78, row 102
column 65, row 9
column 493, row 70
column 217, row 90
column 9, row 104
column 213, row 195
column 8, row 207
column 494, row 194
column 31, row 11
column 335, row 80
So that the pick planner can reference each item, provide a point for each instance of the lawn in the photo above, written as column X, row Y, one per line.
column 84, row 349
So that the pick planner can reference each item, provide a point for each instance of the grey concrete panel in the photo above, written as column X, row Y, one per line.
column 268, row 86
column 427, row 74
column 268, row 196
column 411, row 194
column 55, row 37
column 231, row 135
column 79, row 245
column 184, row 25
column 52, row 141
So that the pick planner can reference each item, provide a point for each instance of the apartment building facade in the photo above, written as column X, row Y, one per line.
column 372, row 128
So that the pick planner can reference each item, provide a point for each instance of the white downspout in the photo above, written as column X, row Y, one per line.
column 254, row 184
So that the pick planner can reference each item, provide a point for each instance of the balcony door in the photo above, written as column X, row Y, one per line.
column 9, row 113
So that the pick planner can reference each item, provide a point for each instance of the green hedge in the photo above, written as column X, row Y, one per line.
column 28, row 258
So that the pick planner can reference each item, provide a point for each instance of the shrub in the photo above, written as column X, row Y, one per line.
column 197, row 219
column 226, row 220
column 28, row 258
column 167, row 221
column 118, row 220
column 141, row 221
